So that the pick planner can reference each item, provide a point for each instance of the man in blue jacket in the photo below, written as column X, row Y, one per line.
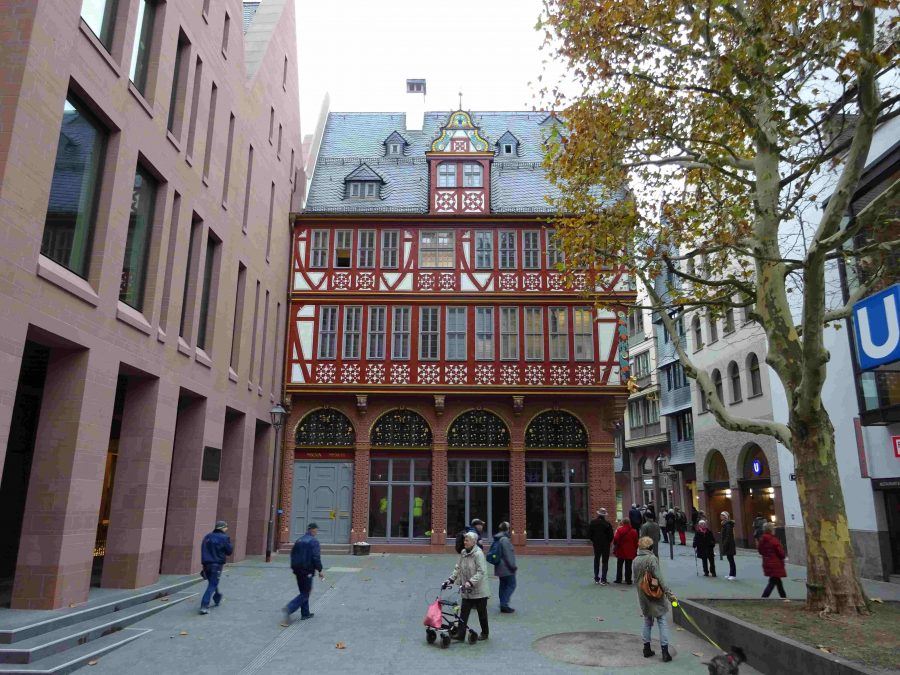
column 306, row 561
column 214, row 548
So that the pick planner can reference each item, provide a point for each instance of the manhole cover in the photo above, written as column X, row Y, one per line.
column 596, row 648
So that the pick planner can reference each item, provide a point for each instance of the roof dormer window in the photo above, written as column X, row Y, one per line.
column 393, row 150
column 363, row 190
column 508, row 145
column 395, row 145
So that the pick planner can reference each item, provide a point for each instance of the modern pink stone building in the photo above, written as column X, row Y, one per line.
column 147, row 170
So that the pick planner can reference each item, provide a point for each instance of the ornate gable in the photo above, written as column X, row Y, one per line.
column 460, row 135
column 460, row 167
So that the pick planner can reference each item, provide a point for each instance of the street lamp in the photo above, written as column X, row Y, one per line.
column 277, row 413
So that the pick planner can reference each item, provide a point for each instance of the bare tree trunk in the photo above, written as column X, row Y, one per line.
column 832, row 578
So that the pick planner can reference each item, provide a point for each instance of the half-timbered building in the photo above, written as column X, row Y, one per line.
column 438, row 367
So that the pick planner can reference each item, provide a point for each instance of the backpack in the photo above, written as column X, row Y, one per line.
column 495, row 554
column 460, row 541
column 649, row 586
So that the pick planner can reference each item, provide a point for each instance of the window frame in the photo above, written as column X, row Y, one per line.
column 143, row 46
column 365, row 250
column 537, row 337
column 146, row 243
column 389, row 251
column 454, row 338
column 352, row 329
column 755, row 377
column 484, row 256
column 446, row 175
column 338, row 235
column 404, row 314
column 586, row 338
column 435, row 250
column 506, row 255
column 555, row 256
column 734, row 380
column 320, row 251
column 545, row 485
column 327, row 335
column 509, row 336
column 473, row 175
column 531, row 256
column 558, row 337
column 376, row 332
column 430, row 334
column 482, row 336
column 107, row 23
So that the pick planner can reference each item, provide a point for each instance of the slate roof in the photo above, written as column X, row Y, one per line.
column 518, row 184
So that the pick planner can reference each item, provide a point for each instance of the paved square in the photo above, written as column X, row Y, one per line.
column 377, row 613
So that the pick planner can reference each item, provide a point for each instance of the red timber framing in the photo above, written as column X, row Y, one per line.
column 385, row 262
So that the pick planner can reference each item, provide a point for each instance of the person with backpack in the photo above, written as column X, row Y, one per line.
column 600, row 533
column 214, row 548
column 502, row 556
column 653, row 597
column 625, row 549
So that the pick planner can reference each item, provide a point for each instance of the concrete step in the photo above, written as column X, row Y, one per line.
column 72, row 659
column 26, row 630
column 65, row 638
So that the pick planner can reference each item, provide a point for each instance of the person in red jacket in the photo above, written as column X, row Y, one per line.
column 625, row 542
column 773, row 558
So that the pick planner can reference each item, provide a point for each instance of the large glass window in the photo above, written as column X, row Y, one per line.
column 509, row 333
column 137, row 245
column 554, row 253
column 72, row 210
column 534, row 334
column 447, row 175
column 400, row 498
column 456, row 333
column 375, row 342
column 210, row 273
column 472, row 175
column 401, row 429
column 352, row 331
column 717, row 383
column 734, row 374
column 100, row 16
column 400, row 333
column 328, row 320
column 436, row 248
column 484, row 333
column 325, row 428
column 429, row 333
column 140, row 54
column 477, row 488
column 531, row 250
column 484, row 250
column 365, row 255
column 318, row 253
column 556, row 499
column 753, row 369
column 559, row 334
column 390, row 242
column 583, row 325
column 507, row 250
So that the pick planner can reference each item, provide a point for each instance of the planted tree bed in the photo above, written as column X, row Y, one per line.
column 872, row 641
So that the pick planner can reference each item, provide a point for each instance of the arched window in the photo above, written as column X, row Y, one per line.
column 325, row 428
column 734, row 375
column 697, row 332
column 717, row 383
column 447, row 175
column 555, row 429
column 753, row 369
column 401, row 429
column 478, row 429
column 716, row 469
column 472, row 176
column 713, row 329
column 755, row 463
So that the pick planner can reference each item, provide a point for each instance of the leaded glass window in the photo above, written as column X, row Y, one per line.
column 401, row 429
column 478, row 429
column 555, row 429
column 325, row 428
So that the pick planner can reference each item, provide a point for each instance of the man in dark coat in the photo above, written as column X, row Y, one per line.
column 727, row 544
column 635, row 517
column 681, row 525
column 705, row 546
column 214, row 548
column 506, row 568
column 306, row 561
column 601, row 535
column 669, row 530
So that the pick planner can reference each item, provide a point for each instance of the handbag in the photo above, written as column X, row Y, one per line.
column 433, row 615
column 650, row 586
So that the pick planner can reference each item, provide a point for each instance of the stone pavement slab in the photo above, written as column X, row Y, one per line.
column 377, row 611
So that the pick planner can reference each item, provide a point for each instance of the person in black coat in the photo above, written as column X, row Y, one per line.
column 705, row 546
column 669, row 529
column 727, row 545
column 635, row 517
column 680, row 525
column 601, row 535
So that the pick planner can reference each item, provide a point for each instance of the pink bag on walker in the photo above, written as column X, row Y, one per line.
column 433, row 615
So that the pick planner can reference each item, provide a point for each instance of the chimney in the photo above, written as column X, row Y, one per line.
column 415, row 105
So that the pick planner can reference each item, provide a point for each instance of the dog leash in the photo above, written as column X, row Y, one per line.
column 690, row 619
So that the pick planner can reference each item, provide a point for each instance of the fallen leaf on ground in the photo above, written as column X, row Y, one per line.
column 340, row 645
column 92, row 663
column 165, row 598
column 824, row 649
column 698, row 654
column 184, row 632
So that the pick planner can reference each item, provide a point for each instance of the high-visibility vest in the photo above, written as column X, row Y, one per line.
column 418, row 502
column 382, row 505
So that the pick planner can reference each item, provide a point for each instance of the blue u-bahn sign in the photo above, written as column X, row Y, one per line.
column 876, row 322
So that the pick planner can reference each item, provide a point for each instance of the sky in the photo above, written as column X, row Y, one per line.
column 362, row 51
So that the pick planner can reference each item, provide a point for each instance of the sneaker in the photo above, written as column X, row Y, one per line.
column 617, row 581
column 603, row 583
column 597, row 581
column 307, row 616
column 731, row 578
column 482, row 637
column 204, row 610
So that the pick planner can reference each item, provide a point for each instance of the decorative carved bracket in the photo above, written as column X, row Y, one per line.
column 518, row 404
column 439, row 404
column 362, row 403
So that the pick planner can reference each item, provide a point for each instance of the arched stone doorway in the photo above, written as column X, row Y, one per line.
column 717, row 486
column 758, row 495
column 400, row 478
column 322, row 483
column 556, row 483
column 478, row 470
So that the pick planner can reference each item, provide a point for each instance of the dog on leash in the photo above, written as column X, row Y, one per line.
column 726, row 664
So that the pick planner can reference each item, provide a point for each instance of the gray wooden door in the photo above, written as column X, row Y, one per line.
column 323, row 494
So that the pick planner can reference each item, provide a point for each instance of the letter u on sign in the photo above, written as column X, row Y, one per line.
column 877, row 326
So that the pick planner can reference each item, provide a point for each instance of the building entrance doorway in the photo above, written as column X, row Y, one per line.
column 892, row 509
column 758, row 495
column 717, row 488
column 19, row 455
column 322, row 494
